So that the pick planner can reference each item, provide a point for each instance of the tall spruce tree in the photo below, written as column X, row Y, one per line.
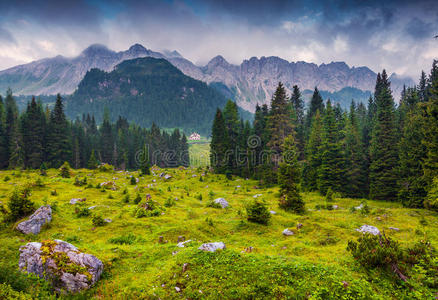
column 331, row 170
column 279, row 121
column 298, row 105
column 233, row 127
column 383, row 148
column 58, row 139
column 13, row 137
column 218, row 144
column 289, row 178
column 33, row 128
column 3, row 141
column 316, row 104
column 355, row 158
column 313, row 154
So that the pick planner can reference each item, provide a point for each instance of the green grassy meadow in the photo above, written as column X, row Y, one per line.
column 312, row 264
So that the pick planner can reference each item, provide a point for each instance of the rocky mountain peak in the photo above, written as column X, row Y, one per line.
column 137, row 48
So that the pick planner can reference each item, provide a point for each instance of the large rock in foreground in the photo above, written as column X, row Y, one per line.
column 40, row 217
column 62, row 264
column 369, row 229
column 222, row 202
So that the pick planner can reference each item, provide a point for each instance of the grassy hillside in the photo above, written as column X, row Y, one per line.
column 313, row 263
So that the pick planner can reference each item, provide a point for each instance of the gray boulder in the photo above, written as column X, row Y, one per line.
column 369, row 229
column 76, row 200
column 222, row 202
column 288, row 232
column 212, row 247
column 40, row 259
column 40, row 217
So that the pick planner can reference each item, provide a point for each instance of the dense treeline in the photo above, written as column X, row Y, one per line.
column 380, row 150
column 39, row 137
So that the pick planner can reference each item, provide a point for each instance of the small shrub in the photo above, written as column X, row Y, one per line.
column 257, row 212
column 213, row 204
column 43, row 169
column 127, row 239
column 209, row 221
column 19, row 204
column 126, row 198
column 98, row 221
column 200, row 197
column 82, row 211
column 133, row 180
column 64, row 171
column 6, row 179
column 80, row 182
column 105, row 168
column 125, row 191
column 148, row 208
column 329, row 195
column 39, row 183
column 169, row 202
column 110, row 196
column 137, row 199
column 373, row 251
column 54, row 193
column 228, row 175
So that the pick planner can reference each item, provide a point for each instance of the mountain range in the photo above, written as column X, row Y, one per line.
column 251, row 82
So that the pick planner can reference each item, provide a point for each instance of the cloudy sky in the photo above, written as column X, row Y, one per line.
column 396, row 35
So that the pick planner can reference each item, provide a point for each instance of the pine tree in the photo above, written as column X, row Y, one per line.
column 107, row 141
column 232, row 125
column 298, row 105
column 430, row 130
column 92, row 162
column 356, row 168
column 218, row 144
column 383, row 147
column 331, row 171
column 279, row 121
column 313, row 154
column 145, row 167
column 316, row 104
column 58, row 140
column 13, row 137
column 33, row 132
column 412, row 153
column 289, row 178
column 3, row 140
column 422, row 87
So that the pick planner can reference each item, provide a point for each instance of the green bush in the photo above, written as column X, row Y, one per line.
column 43, row 169
column 137, row 199
column 133, row 180
column 80, row 182
column 127, row 239
column 105, row 168
column 211, row 203
column 98, row 220
column 6, row 179
column 82, row 211
column 64, row 171
column 257, row 212
column 169, row 202
column 126, row 198
column 329, row 195
column 431, row 201
column 19, row 204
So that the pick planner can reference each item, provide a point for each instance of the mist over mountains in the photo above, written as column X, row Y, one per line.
column 251, row 82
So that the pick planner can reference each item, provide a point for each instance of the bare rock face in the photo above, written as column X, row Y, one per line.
column 62, row 264
column 288, row 232
column 40, row 217
column 212, row 247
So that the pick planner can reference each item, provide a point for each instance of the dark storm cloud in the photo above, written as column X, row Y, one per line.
column 419, row 29
column 376, row 33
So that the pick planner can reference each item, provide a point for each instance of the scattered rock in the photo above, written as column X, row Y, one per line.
column 40, row 217
column 177, row 289
column 161, row 240
column 49, row 259
column 76, row 200
column 288, row 232
column 223, row 203
column 258, row 195
column 194, row 175
column 92, row 207
column 108, row 220
column 369, row 229
column 359, row 207
column 212, row 247
column 335, row 206
column 299, row 226
column 394, row 228
column 181, row 239
column 109, row 185
column 185, row 267
column 272, row 212
column 181, row 244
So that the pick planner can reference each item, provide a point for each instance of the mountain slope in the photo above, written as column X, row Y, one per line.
column 251, row 82
column 146, row 90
